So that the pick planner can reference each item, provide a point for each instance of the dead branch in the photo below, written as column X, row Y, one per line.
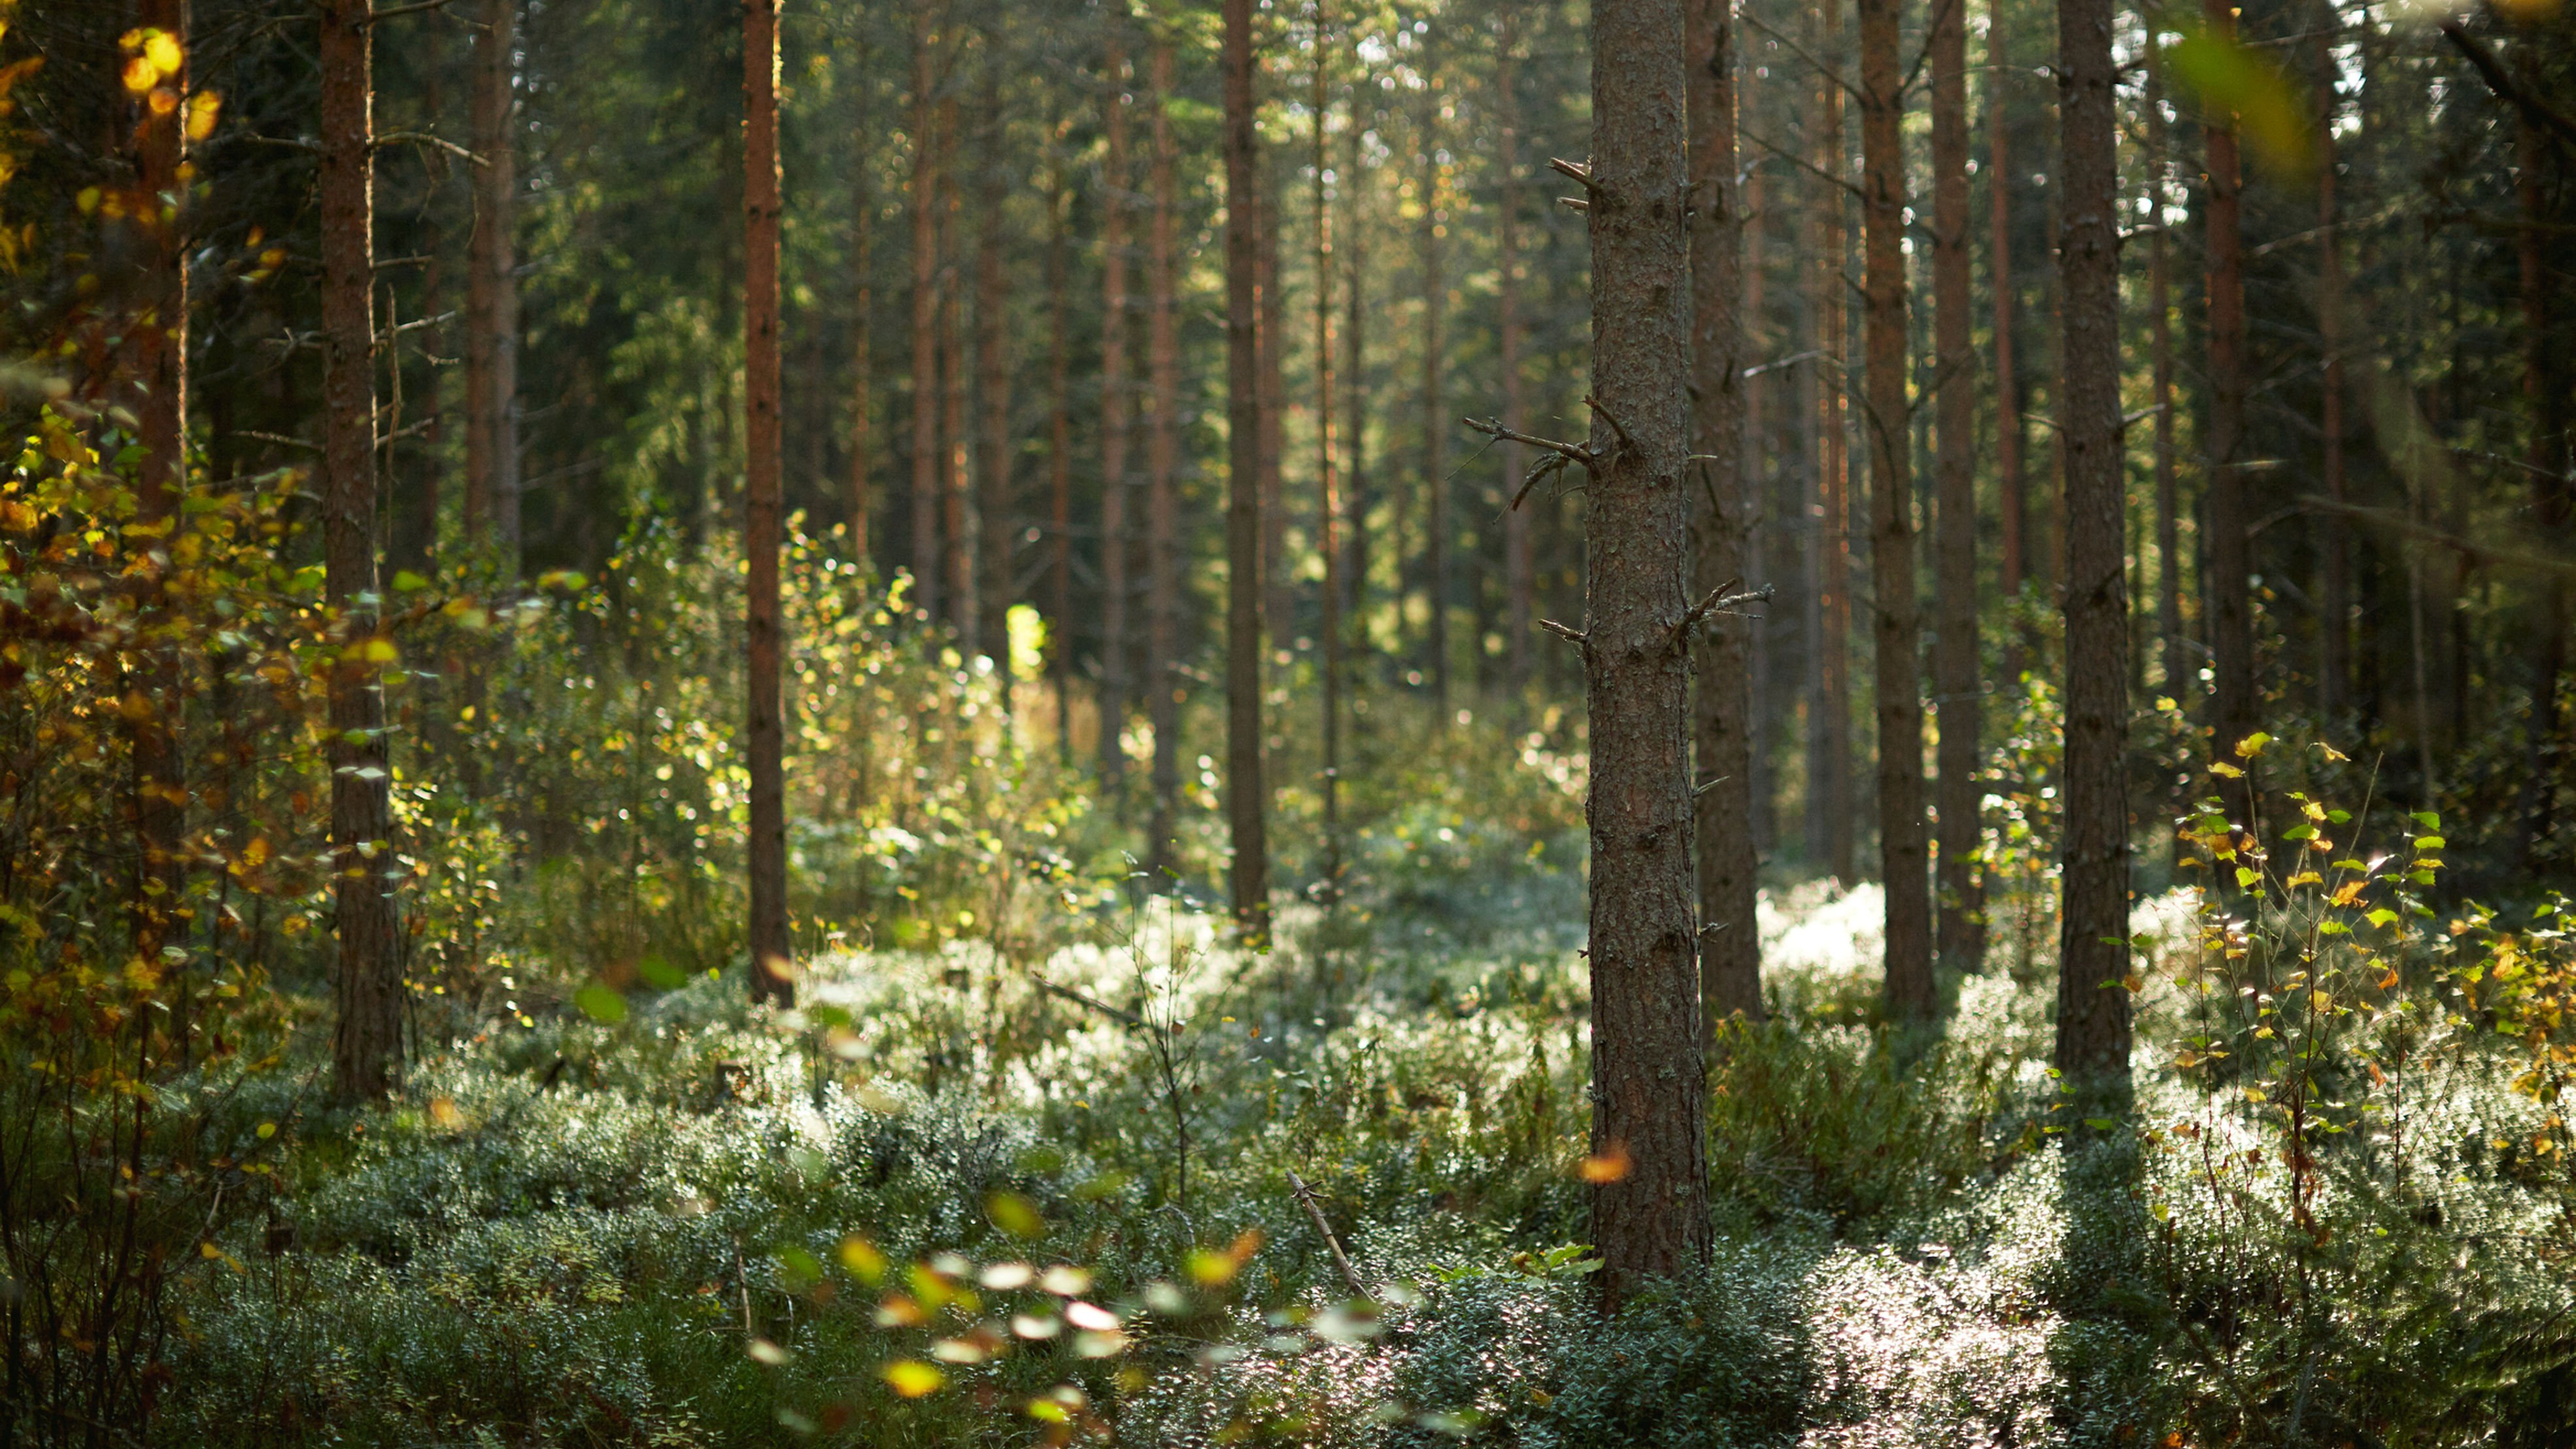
column 1341, row 1260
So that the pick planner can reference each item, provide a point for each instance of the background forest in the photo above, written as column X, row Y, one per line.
column 896, row 723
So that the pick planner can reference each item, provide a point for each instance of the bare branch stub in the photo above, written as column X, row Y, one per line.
column 1720, row 600
column 1616, row 427
column 1566, row 632
column 1575, row 170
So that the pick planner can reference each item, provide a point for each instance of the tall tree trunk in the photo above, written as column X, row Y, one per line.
column 1905, row 856
column 961, row 539
column 2177, row 673
column 158, row 330
column 366, row 1043
column 492, row 297
column 1518, row 572
column 1162, row 524
column 1328, row 500
column 1435, row 404
column 994, row 533
column 1960, row 937
column 2013, row 488
column 1279, row 600
column 1114, row 417
column 1650, row 1194
column 1354, row 553
column 1059, row 460
column 1833, row 587
column 2092, row 1052
column 862, row 357
column 1761, row 549
column 765, row 735
column 2334, row 595
column 1730, row 955
column 925, row 188
column 2545, row 457
column 2226, row 560
column 1247, row 797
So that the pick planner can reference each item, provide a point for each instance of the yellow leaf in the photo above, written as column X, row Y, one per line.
column 203, row 109
column 912, row 1378
column 140, row 74
column 1609, row 1165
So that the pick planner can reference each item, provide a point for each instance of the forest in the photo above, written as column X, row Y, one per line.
column 1333, row 722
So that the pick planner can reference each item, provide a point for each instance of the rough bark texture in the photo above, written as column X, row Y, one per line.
column 1650, row 1217
column 1059, row 464
column 1730, row 955
column 2178, row 673
column 366, row 1043
column 925, row 311
column 2545, row 458
column 2013, row 490
column 492, row 296
column 2227, row 563
column 2334, row 592
column 1115, row 418
column 765, row 736
column 1519, row 574
column 1328, row 501
column 1959, row 939
column 2092, row 1000
column 1247, row 798
column 1905, row 852
column 1833, row 584
column 960, row 536
column 863, row 400
column 995, row 532
column 1279, row 606
column 1162, row 524
column 1435, row 411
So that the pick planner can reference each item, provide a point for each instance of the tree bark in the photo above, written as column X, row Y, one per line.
column 492, row 297
column 862, row 358
column 961, row 538
column 2178, row 674
column 1059, row 460
column 2227, row 561
column 2092, row 1052
column 1162, row 525
column 1279, row 600
column 2334, row 593
column 1435, row 404
column 2013, row 487
column 1833, row 586
column 1730, row 954
column 765, row 736
column 1114, row 418
column 2546, row 462
column 366, row 1043
column 1959, row 939
column 994, row 533
column 1518, row 572
column 1905, row 861
column 1650, row 1194
column 1328, row 500
column 1247, row 797
column 925, row 188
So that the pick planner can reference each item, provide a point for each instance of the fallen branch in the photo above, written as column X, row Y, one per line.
column 1342, row 1261
column 1084, row 999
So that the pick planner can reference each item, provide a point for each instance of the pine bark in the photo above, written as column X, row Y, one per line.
column 862, row 359
column 1059, row 463
column 994, row 531
column 1328, row 501
column 367, row 991
column 1115, row 419
column 1905, row 857
column 1730, row 956
column 1650, row 1215
column 2546, row 463
column 2334, row 592
column 1162, row 522
column 1279, row 600
column 765, row 735
column 960, row 537
column 1247, row 797
column 1519, row 573
column 1833, row 585
column 2093, row 1013
column 492, row 297
column 2227, row 560
column 1959, row 938
column 1435, row 407
column 925, row 189
column 2178, row 675
column 2011, row 484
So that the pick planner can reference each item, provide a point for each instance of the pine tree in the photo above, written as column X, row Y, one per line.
column 765, row 735
column 1247, row 797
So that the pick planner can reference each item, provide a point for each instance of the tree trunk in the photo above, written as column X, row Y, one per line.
column 1247, row 797
column 1059, row 463
column 1114, row 419
column 1279, row 600
column 862, row 358
column 1833, row 586
column 1958, row 682
column 1328, row 500
column 1905, row 861
column 1650, row 1193
column 765, row 736
column 2334, row 594
column 960, row 539
column 926, row 40
column 2092, row 999
column 366, row 1043
column 994, row 533
column 159, row 332
column 1354, row 554
column 2226, row 561
column 2013, row 488
column 492, row 297
column 2178, row 674
column 1162, row 524
column 1730, row 956
column 2545, row 458
column 1435, row 405
column 1518, row 573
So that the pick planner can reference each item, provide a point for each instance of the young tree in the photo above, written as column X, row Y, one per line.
column 492, row 295
column 1730, row 943
column 2092, row 1052
column 366, row 1044
column 1114, row 416
column 1162, row 505
column 1518, row 571
column 2226, row 559
column 1247, row 797
column 1904, row 854
column 1650, row 1199
column 1959, row 937
column 765, row 735
column 925, row 189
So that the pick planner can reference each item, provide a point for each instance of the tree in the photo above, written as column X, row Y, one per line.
column 2012, row 487
column 765, row 736
column 1904, row 854
column 862, row 351
column 1435, row 403
column 1959, row 939
column 1059, row 452
column 1328, row 502
column 2092, row 1053
column 2177, row 675
column 367, row 990
column 1247, row 798
column 492, row 295
column 1832, row 766
column 1730, row 942
column 925, row 191
column 2334, row 592
column 1162, row 462
column 1518, row 570
column 2226, row 563
column 993, row 371
column 1650, row 1195
column 1114, row 416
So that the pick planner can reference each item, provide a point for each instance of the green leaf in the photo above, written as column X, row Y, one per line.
column 2425, row 843
column 2301, row 832
column 405, row 581
column 2246, row 876
column 2429, row 819
column 600, row 1004
column 2101, row 1124
column 2383, row 917
column 660, row 974
column 2340, row 817
column 2271, row 109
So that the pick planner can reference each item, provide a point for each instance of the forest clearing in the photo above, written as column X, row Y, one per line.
column 1328, row 722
